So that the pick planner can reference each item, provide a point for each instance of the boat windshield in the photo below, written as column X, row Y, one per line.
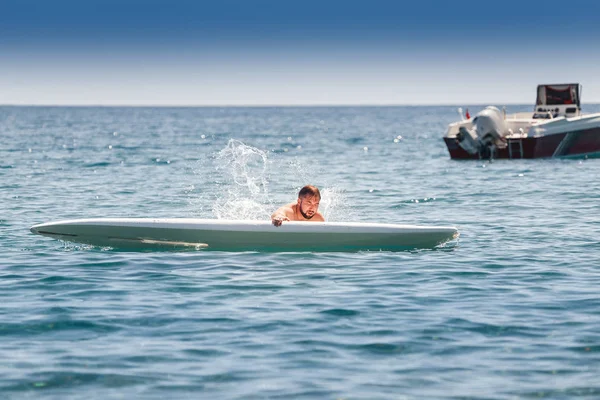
column 557, row 95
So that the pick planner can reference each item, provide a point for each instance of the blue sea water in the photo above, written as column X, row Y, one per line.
column 511, row 311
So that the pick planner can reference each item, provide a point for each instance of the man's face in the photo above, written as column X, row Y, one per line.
column 308, row 206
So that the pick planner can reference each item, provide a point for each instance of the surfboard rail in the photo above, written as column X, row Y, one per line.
column 244, row 235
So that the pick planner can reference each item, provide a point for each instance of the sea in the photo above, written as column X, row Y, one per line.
column 511, row 310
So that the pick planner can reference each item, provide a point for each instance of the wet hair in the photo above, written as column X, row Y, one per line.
column 309, row 191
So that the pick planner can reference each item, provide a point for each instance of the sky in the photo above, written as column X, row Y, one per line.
column 263, row 52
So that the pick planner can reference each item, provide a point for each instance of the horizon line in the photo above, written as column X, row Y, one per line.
column 307, row 105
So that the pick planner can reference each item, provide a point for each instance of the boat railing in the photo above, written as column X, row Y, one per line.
column 519, row 115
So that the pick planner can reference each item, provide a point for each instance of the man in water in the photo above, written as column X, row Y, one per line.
column 304, row 209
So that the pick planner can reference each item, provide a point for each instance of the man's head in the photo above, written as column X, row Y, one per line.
column 309, row 198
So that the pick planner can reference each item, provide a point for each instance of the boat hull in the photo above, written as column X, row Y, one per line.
column 579, row 143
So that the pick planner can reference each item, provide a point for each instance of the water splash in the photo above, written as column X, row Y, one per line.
column 246, row 165
column 333, row 204
column 241, row 209
column 245, row 172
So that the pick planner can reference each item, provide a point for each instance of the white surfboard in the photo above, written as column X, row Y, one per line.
column 231, row 235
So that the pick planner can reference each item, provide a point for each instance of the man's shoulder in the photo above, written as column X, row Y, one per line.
column 290, row 208
column 286, row 210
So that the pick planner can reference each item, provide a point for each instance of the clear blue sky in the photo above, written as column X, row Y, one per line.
column 262, row 52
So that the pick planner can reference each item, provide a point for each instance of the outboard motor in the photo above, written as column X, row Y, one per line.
column 487, row 134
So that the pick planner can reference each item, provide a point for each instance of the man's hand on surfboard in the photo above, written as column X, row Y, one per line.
column 278, row 220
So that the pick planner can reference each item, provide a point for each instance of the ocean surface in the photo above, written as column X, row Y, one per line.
column 510, row 311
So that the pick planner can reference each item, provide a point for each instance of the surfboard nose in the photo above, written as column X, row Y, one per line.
column 39, row 229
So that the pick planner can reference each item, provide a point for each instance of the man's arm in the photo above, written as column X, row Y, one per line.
column 282, row 214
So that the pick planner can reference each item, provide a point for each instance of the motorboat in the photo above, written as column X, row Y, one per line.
column 555, row 128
